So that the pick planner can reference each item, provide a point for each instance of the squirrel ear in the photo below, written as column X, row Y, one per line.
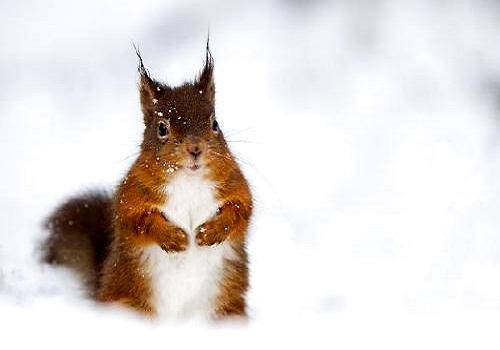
column 206, row 80
column 148, row 88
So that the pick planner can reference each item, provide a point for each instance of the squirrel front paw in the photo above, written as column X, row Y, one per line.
column 176, row 240
column 210, row 234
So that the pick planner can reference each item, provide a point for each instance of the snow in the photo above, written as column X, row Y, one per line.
column 368, row 131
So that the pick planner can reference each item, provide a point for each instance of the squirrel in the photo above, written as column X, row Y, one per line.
column 171, row 240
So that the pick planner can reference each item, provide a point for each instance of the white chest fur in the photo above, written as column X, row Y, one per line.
column 186, row 284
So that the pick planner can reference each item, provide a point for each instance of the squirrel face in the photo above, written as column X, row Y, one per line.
column 180, row 121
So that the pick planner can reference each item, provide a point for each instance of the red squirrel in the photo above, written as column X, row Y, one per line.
column 171, row 240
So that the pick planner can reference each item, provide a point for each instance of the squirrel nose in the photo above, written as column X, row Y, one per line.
column 194, row 150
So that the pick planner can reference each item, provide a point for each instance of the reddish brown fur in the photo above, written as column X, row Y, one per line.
column 188, row 112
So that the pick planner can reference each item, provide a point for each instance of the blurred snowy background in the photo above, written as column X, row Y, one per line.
column 368, row 129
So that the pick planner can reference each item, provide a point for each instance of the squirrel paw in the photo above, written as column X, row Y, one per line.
column 210, row 234
column 175, row 241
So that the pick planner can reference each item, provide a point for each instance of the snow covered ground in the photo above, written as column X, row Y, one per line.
column 369, row 131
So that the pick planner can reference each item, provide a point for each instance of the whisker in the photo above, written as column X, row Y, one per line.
column 236, row 132
column 242, row 141
column 224, row 156
column 134, row 154
column 231, row 158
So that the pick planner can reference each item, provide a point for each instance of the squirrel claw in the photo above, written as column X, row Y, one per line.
column 209, row 236
column 177, row 242
column 172, row 248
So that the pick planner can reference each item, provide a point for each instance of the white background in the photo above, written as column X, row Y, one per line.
column 369, row 131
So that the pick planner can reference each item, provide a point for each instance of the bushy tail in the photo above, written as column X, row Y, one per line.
column 80, row 234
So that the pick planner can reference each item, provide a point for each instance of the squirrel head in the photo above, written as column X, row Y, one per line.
column 180, row 122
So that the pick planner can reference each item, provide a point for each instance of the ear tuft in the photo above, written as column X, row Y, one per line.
column 142, row 70
column 206, row 80
column 148, row 88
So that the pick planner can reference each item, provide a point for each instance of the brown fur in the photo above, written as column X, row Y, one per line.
column 80, row 236
column 188, row 114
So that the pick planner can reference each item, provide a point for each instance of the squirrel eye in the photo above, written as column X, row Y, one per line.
column 215, row 126
column 162, row 130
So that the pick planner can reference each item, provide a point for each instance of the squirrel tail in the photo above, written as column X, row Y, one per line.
column 80, row 234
